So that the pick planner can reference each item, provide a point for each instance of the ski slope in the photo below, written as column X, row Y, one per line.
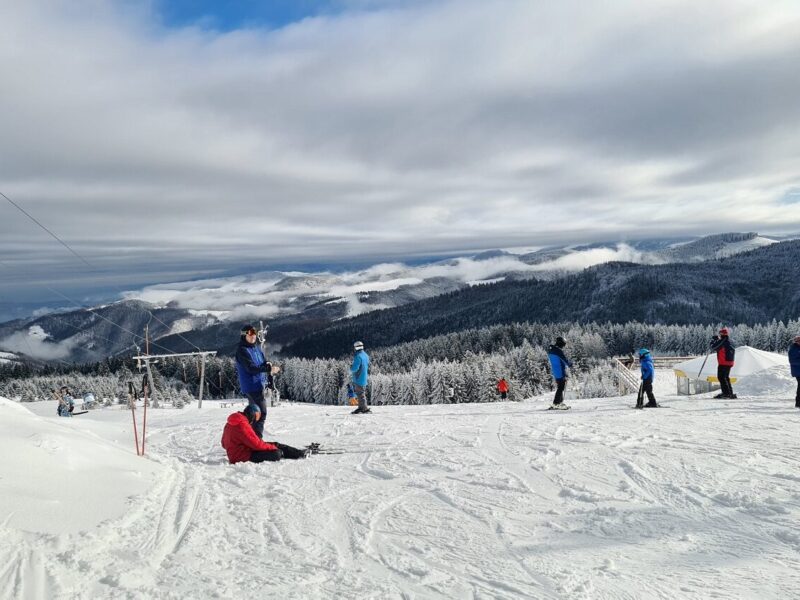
column 497, row 500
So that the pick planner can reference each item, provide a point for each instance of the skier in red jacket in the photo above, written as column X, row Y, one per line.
column 242, row 444
column 726, row 355
column 502, row 387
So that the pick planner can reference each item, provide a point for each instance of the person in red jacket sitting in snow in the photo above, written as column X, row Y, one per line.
column 243, row 445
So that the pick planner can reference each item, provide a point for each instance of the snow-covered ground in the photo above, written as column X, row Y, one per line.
column 500, row 500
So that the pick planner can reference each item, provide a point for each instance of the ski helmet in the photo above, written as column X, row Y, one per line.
column 644, row 351
column 723, row 331
column 358, row 346
column 252, row 412
column 248, row 328
column 561, row 342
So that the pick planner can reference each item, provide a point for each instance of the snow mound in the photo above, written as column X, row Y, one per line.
column 776, row 381
column 57, row 478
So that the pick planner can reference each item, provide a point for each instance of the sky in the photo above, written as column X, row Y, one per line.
column 169, row 140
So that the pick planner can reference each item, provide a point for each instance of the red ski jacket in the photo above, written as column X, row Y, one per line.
column 726, row 353
column 502, row 386
column 239, row 439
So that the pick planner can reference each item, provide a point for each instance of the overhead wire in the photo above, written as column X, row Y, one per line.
column 97, row 314
column 87, row 263
column 68, row 324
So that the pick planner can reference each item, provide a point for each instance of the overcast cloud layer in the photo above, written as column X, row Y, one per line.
column 168, row 152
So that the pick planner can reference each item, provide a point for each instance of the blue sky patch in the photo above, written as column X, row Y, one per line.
column 227, row 15
column 791, row 197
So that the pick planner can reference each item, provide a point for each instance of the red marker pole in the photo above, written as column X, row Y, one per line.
column 135, row 434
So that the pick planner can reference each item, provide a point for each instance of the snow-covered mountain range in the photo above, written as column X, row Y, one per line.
column 203, row 312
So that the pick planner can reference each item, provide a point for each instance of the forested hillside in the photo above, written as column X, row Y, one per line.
column 754, row 287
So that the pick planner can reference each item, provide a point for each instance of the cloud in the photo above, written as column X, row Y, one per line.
column 33, row 343
column 271, row 294
column 404, row 129
column 581, row 259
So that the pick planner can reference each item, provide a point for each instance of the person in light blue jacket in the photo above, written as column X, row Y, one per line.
column 359, row 371
column 648, row 374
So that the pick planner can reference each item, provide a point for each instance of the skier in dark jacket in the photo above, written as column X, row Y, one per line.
column 558, row 365
column 252, row 368
column 725, row 359
column 648, row 374
column 242, row 444
column 794, row 362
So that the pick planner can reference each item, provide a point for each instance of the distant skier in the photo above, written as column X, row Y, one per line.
column 725, row 358
column 66, row 403
column 359, row 370
column 558, row 365
column 648, row 374
column 502, row 387
column 252, row 369
column 628, row 362
column 794, row 362
column 242, row 444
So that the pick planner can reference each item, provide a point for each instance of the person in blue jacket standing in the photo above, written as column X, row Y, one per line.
column 648, row 374
column 359, row 371
column 558, row 365
column 252, row 368
column 794, row 362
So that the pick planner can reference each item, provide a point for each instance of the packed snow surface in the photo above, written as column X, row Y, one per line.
column 700, row 499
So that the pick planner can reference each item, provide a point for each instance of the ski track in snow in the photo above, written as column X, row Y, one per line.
column 466, row 501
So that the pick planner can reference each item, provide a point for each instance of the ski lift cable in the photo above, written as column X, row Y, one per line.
column 32, row 218
column 91, row 310
column 68, row 324
column 87, row 263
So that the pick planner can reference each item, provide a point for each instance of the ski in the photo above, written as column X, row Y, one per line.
column 316, row 448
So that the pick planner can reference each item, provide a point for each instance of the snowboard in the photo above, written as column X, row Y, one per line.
column 559, row 407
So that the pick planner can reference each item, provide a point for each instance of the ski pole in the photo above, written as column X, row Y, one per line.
column 703, row 365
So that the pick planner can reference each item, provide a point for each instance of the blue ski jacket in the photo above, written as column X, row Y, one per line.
column 251, row 366
column 558, row 362
column 794, row 359
column 648, row 369
column 360, row 368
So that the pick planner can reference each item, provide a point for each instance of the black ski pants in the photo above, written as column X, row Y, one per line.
column 257, row 398
column 283, row 451
column 560, row 385
column 647, row 389
column 724, row 376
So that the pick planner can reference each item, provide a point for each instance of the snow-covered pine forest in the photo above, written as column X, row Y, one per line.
column 420, row 372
